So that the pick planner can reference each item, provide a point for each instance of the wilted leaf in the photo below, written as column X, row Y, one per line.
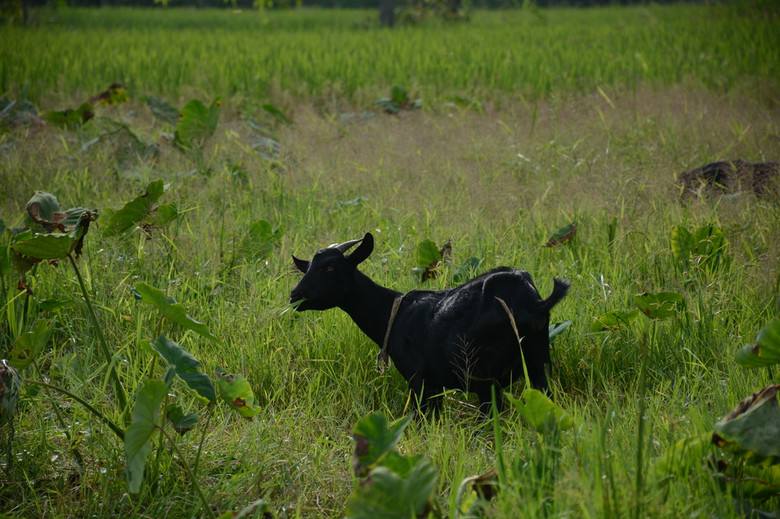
column 557, row 328
column 766, row 351
column 277, row 113
column 187, row 367
column 236, row 391
column 753, row 427
column 10, row 383
column 374, row 437
column 134, row 211
column 70, row 118
column 44, row 209
column 196, row 123
column 30, row 344
column 145, row 420
column 163, row 215
column 181, row 422
column 387, row 495
column 540, row 412
column 172, row 310
column 660, row 305
column 613, row 320
column 162, row 109
column 562, row 235
column 114, row 94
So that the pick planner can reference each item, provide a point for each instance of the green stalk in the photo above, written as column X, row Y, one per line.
column 111, row 425
column 190, row 474
column 203, row 438
column 118, row 389
column 638, row 491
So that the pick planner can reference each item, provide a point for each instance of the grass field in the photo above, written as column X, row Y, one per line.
column 530, row 121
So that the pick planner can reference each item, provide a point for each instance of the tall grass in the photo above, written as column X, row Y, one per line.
column 339, row 54
column 496, row 182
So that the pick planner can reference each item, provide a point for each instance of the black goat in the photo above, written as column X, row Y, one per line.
column 460, row 338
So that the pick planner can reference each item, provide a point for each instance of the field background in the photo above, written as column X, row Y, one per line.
column 531, row 119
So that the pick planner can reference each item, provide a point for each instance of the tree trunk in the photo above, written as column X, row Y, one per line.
column 387, row 13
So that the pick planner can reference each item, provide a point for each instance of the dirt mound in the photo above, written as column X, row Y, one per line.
column 717, row 178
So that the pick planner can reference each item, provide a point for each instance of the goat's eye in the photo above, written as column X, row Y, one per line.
column 330, row 268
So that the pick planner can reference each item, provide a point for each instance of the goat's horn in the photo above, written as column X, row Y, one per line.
column 344, row 247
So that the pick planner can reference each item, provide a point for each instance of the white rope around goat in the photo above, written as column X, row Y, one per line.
column 382, row 357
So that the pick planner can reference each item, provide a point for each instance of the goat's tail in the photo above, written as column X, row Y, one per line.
column 560, row 288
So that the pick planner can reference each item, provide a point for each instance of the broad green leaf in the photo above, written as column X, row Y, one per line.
column 613, row 320
column 540, row 412
column 70, row 118
column 259, row 506
column 427, row 254
column 660, row 305
column 399, row 95
column 766, row 351
column 277, row 113
column 196, row 123
column 181, row 422
column 162, row 110
column 134, row 211
column 387, row 495
column 236, row 391
column 467, row 270
column 144, row 422
column 562, row 235
column 172, row 310
column 163, row 215
column 753, row 427
column 187, row 367
column 45, row 246
column 703, row 248
column 557, row 329
column 683, row 457
column 10, row 384
column 260, row 240
column 30, row 344
column 375, row 437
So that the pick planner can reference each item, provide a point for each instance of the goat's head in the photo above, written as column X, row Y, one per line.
column 330, row 275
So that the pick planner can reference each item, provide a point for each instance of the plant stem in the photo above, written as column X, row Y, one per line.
column 118, row 389
column 641, row 426
column 202, row 438
column 76, row 453
column 111, row 425
column 186, row 467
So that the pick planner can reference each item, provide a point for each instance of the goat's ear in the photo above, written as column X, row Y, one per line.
column 302, row 265
column 363, row 251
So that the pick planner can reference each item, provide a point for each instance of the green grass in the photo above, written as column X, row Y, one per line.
column 329, row 55
column 497, row 182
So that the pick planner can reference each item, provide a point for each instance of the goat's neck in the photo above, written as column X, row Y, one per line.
column 369, row 306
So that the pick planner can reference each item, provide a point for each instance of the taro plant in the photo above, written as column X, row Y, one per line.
column 144, row 211
column 195, row 125
column 391, row 484
column 399, row 100
column 430, row 258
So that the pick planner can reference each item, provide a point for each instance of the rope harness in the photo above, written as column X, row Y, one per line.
column 382, row 359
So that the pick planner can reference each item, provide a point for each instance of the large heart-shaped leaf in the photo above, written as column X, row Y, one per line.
column 144, row 422
column 162, row 109
column 55, row 245
column 613, row 320
column 134, row 211
column 374, row 437
column 467, row 269
column 766, row 350
column 388, row 495
column 753, row 427
column 181, row 422
column 187, row 367
column 562, row 235
column 196, row 124
column 172, row 310
column 29, row 345
column 236, row 391
column 660, row 305
column 540, row 412
column 70, row 118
